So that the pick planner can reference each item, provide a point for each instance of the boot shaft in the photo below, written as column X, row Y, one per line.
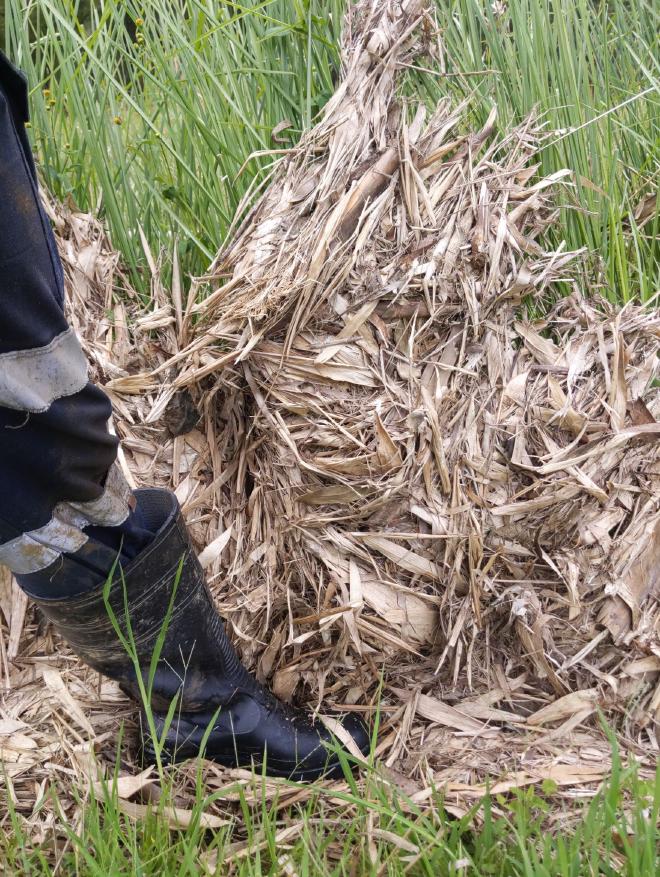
column 160, row 600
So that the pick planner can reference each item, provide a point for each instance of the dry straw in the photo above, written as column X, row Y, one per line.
column 401, row 471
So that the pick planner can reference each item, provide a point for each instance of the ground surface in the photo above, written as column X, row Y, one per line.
column 178, row 106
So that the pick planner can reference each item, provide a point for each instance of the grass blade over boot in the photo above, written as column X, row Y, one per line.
column 216, row 697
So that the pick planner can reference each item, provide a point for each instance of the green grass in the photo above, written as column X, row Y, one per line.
column 375, row 833
column 591, row 70
column 150, row 126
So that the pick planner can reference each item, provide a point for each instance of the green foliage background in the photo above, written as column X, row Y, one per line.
column 151, row 124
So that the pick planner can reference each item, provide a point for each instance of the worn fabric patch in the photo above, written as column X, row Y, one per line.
column 63, row 534
column 113, row 506
column 31, row 380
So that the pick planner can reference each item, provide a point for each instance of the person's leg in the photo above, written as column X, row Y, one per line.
column 56, row 452
column 65, row 512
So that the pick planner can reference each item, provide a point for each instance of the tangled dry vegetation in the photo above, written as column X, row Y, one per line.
column 399, row 464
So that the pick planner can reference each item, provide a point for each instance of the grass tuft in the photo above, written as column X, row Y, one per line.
column 379, row 832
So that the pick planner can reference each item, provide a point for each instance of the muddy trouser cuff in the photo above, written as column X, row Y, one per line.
column 87, row 568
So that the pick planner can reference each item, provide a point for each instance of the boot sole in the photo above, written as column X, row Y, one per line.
column 274, row 768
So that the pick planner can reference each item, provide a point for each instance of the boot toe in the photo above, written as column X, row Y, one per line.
column 284, row 743
column 318, row 748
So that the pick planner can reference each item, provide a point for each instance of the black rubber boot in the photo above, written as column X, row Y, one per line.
column 197, row 662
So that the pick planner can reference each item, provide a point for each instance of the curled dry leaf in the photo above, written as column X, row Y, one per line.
column 176, row 817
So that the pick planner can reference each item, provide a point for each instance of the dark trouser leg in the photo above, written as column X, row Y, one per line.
column 56, row 453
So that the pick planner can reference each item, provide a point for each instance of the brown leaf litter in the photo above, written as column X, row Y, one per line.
column 410, row 479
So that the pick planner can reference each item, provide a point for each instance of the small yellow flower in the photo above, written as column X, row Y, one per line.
column 139, row 22
column 46, row 92
column 117, row 120
column 52, row 102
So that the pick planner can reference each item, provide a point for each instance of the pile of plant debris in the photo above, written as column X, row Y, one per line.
column 419, row 457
